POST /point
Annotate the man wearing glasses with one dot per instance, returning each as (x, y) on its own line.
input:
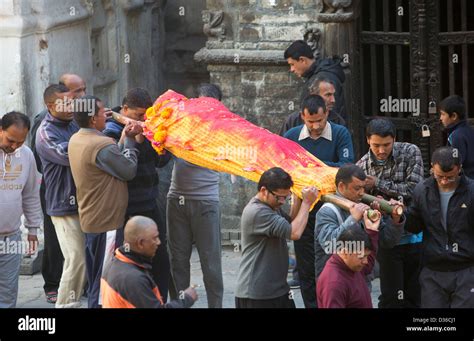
(261, 282)
(442, 209)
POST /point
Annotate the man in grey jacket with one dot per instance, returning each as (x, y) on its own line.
(19, 194)
(331, 220)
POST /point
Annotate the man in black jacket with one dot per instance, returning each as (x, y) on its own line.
(303, 64)
(441, 208)
(143, 189)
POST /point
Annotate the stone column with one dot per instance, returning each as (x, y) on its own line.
(337, 19)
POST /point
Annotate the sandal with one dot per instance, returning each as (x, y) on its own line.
(51, 297)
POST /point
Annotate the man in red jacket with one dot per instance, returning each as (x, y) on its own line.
(342, 284)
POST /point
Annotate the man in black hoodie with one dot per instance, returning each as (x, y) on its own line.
(303, 64)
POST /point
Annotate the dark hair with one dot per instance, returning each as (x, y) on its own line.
(346, 172)
(298, 49)
(313, 103)
(137, 98)
(354, 233)
(209, 90)
(15, 118)
(446, 157)
(81, 113)
(382, 127)
(454, 104)
(314, 87)
(51, 91)
(275, 178)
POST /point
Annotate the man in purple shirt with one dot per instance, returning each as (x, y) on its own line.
(342, 284)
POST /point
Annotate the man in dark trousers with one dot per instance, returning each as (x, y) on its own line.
(101, 168)
(332, 144)
(442, 209)
(143, 189)
(393, 170)
(261, 282)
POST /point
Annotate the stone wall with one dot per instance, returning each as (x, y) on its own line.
(112, 44)
(40, 40)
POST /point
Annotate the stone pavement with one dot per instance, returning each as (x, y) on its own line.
(31, 293)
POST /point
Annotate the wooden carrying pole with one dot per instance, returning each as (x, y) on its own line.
(346, 204)
(384, 205)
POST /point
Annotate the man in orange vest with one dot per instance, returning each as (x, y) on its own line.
(127, 282)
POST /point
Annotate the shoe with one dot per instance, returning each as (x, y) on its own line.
(294, 284)
(51, 297)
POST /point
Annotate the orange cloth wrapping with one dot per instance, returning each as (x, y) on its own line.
(204, 132)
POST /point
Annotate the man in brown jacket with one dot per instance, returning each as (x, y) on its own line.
(100, 169)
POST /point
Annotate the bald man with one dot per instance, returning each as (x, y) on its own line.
(75, 84)
(126, 280)
(52, 264)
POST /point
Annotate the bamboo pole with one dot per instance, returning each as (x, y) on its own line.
(346, 204)
(384, 205)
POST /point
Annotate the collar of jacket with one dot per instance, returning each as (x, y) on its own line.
(56, 121)
(341, 264)
(132, 257)
(310, 71)
(392, 157)
(452, 127)
(431, 184)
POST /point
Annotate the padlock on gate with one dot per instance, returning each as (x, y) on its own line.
(425, 130)
(432, 107)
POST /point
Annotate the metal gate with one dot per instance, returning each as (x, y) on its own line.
(411, 50)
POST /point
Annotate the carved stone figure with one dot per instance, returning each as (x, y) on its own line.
(312, 37)
(336, 11)
(337, 6)
(214, 24)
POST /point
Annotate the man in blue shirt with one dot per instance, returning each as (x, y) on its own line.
(332, 144)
